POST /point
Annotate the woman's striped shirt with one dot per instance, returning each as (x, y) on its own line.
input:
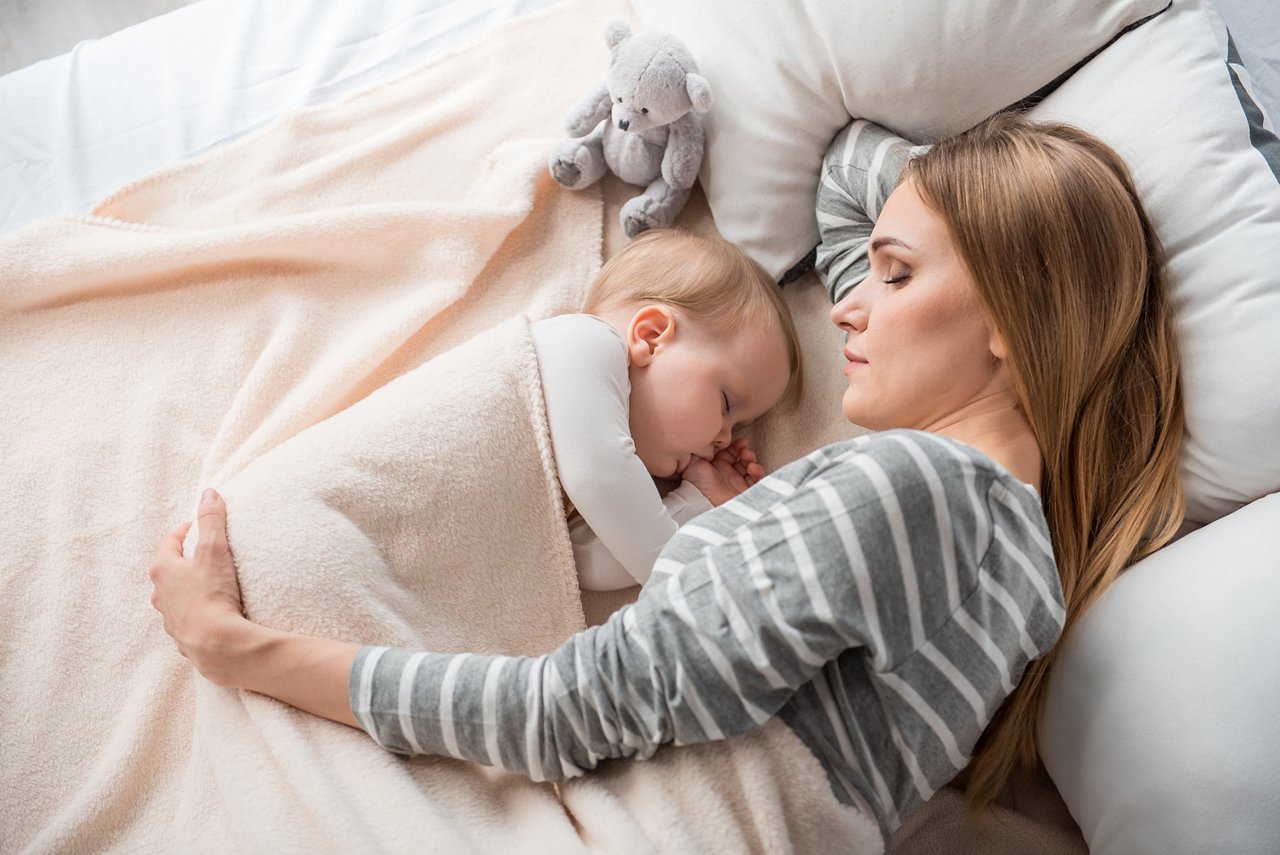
(881, 595)
(860, 170)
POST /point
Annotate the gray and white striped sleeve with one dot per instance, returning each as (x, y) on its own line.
(861, 168)
(746, 605)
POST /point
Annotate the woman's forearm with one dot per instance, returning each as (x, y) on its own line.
(304, 671)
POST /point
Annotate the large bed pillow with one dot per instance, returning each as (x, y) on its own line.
(786, 76)
(1173, 100)
(1161, 728)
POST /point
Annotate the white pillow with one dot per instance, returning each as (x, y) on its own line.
(787, 76)
(1164, 98)
(1161, 728)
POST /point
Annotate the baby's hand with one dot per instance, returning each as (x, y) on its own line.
(731, 471)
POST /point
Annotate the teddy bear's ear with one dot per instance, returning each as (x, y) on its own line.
(615, 33)
(699, 91)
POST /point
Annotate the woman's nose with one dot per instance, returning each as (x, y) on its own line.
(850, 314)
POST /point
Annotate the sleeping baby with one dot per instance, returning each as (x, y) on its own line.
(683, 339)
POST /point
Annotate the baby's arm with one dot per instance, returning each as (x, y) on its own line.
(598, 570)
(583, 364)
(706, 484)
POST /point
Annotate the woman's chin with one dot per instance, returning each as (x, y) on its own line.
(861, 416)
(854, 413)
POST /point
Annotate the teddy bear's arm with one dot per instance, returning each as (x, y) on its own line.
(589, 112)
(683, 157)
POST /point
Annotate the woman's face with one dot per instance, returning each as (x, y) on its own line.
(919, 350)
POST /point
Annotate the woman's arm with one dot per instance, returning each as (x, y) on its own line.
(741, 615)
(199, 599)
(849, 548)
(303, 671)
(860, 170)
(873, 544)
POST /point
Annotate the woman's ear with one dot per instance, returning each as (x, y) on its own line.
(997, 346)
(650, 328)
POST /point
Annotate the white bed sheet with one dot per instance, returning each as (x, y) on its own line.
(77, 127)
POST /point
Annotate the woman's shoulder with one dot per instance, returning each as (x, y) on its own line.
(919, 472)
(909, 454)
(937, 493)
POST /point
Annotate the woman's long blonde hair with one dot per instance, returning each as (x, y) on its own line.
(1047, 220)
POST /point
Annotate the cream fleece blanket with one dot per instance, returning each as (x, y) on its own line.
(327, 321)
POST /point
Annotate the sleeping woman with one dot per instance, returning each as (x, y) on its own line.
(894, 599)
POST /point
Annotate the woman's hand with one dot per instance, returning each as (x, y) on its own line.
(199, 595)
(731, 471)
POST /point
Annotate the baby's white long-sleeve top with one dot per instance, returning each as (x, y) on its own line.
(625, 522)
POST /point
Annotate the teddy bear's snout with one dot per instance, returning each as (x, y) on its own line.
(623, 124)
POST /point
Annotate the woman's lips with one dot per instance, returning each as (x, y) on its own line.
(853, 363)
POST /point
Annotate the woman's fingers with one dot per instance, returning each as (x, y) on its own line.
(168, 550)
(213, 524)
(198, 592)
(172, 543)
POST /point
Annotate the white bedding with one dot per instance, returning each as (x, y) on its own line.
(79, 126)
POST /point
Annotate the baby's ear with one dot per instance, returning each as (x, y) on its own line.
(650, 327)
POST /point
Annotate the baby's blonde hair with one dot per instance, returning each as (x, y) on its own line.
(708, 278)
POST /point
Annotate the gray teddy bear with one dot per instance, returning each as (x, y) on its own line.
(642, 123)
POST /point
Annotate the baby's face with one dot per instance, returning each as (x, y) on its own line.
(697, 386)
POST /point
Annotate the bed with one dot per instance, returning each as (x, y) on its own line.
(1144, 733)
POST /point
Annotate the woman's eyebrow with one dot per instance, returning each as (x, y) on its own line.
(888, 241)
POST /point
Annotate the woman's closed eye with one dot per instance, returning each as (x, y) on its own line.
(897, 276)
(724, 400)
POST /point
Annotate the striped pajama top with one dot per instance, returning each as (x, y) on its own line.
(862, 167)
(881, 595)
